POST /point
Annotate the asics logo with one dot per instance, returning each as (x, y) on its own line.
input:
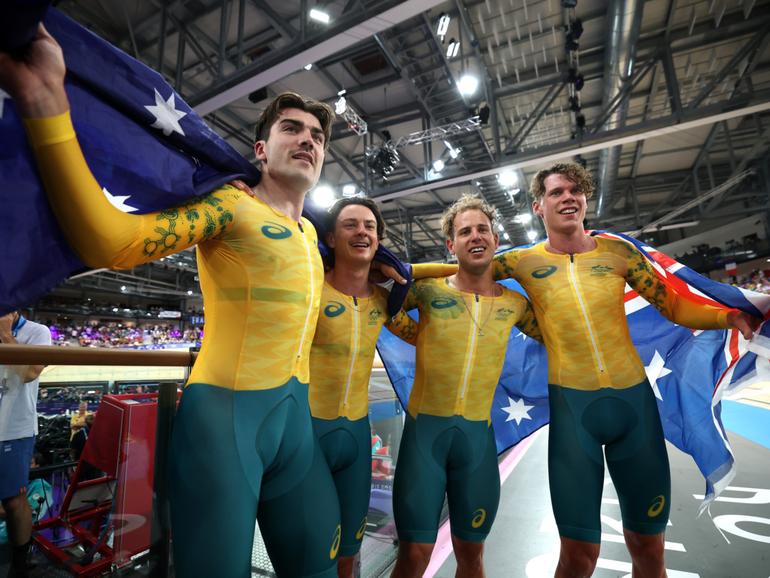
(543, 272)
(443, 303)
(656, 507)
(479, 517)
(335, 543)
(275, 231)
(361, 529)
(334, 308)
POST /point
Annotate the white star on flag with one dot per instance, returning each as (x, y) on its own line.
(517, 410)
(3, 96)
(166, 115)
(655, 371)
(119, 202)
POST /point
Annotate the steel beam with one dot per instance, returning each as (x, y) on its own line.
(345, 32)
(629, 134)
(748, 49)
(542, 106)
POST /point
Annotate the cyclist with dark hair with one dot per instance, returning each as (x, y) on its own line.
(243, 427)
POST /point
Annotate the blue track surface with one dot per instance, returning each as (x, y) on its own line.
(749, 421)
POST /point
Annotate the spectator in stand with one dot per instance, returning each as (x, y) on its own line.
(78, 444)
(78, 420)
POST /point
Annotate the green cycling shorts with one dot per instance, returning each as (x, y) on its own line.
(623, 426)
(446, 455)
(241, 456)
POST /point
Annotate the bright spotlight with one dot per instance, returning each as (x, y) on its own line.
(506, 236)
(123, 288)
(500, 227)
(349, 191)
(453, 48)
(189, 292)
(468, 84)
(341, 105)
(319, 15)
(531, 235)
(308, 66)
(508, 179)
(342, 92)
(524, 218)
(323, 196)
(443, 26)
(438, 166)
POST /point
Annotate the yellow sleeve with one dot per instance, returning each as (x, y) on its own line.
(101, 234)
(425, 270)
(504, 265)
(403, 326)
(527, 322)
(644, 281)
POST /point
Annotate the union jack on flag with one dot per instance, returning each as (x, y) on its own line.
(700, 368)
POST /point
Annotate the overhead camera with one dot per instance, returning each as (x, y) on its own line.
(382, 160)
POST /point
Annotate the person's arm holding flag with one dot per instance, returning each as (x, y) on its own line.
(101, 234)
(645, 282)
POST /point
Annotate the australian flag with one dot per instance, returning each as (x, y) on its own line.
(690, 371)
(146, 147)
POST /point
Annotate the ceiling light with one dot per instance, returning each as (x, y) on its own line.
(532, 235)
(524, 218)
(349, 191)
(508, 178)
(308, 66)
(341, 105)
(323, 196)
(123, 288)
(506, 236)
(342, 92)
(468, 84)
(189, 292)
(319, 15)
(453, 48)
(438, 166)
(443, 26)
(453, 152)
(500, 227)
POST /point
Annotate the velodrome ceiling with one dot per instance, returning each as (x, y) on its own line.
(667, 102)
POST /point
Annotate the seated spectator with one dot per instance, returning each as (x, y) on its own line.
(78, 444)
(78, 419)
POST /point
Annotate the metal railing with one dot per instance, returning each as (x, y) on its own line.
(54, 355)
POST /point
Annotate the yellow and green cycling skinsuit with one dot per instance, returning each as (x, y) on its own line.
(598, 391)
(340, 366)
(448, 445)
(243, 445)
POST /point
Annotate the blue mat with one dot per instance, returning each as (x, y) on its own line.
(749, 421)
